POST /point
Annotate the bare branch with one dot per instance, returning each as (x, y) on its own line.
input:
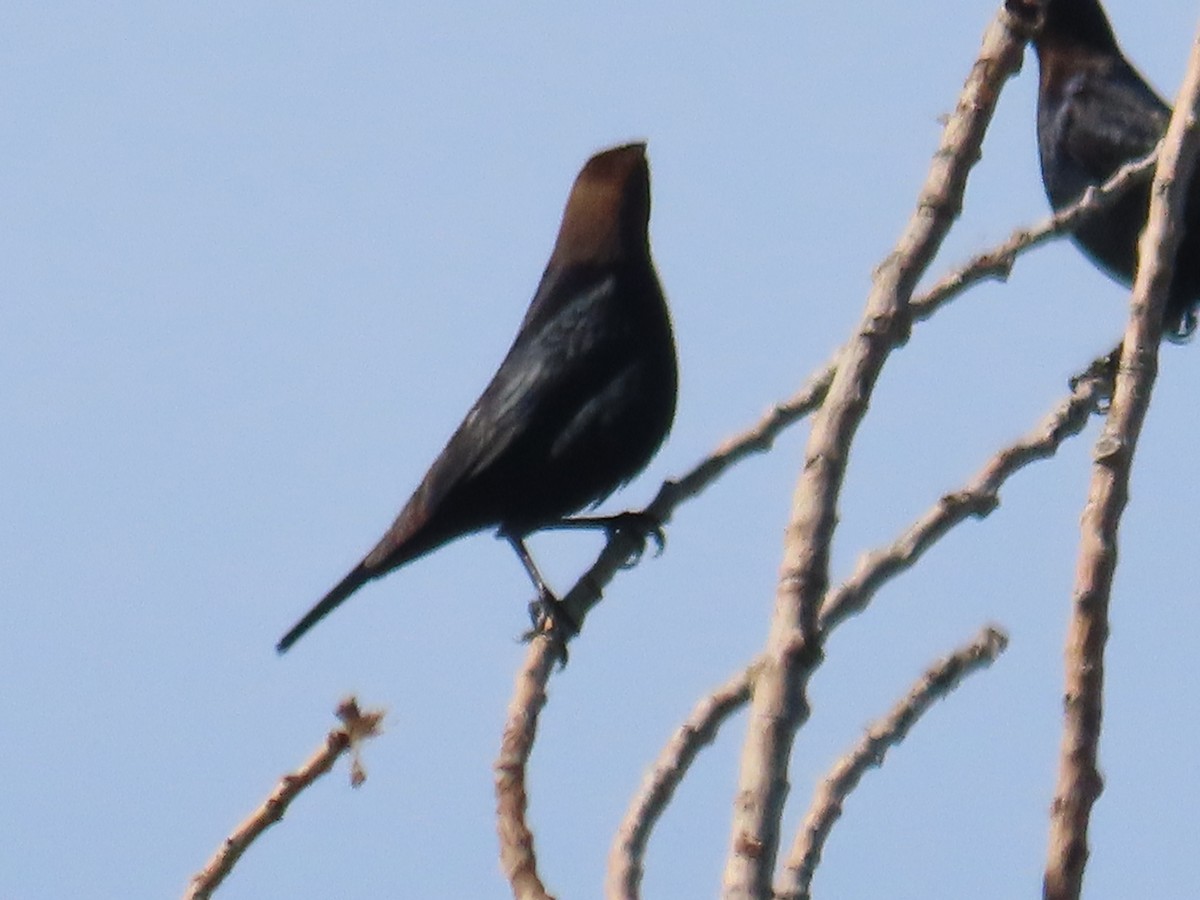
(937, 682)
(977, 499)
(780, 705)
(517, 856)
(357, 726)
(629, 846)
(1079, 780)
(997, 262)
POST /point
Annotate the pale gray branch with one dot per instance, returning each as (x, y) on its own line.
(939, 680)
(978, 498)
(1079, 780)
(517, 856)
(794, 647)
(625, 859)
(357, 726)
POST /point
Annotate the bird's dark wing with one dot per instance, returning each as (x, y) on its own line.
(570, 338)
(551, 372)
(597, 413)
(1109, 118)
(559, 362)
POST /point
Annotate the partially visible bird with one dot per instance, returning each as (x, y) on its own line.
(1096, 113)
(581, 403)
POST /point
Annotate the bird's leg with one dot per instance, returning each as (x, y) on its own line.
(639, 524)
(547, 612)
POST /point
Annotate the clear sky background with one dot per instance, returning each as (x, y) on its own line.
(257, 259)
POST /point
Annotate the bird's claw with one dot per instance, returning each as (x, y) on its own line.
(549, 617)
(1104, 371)
(642, 526)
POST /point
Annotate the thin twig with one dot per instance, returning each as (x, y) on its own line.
(517, 856)
(977, 499)
(357, 726)
(794, 647)
(1079, 780)
(939, 680)
(625, 859)
(997, 262)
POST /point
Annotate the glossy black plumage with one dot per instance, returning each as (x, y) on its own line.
(1096, 113)
(581, 402)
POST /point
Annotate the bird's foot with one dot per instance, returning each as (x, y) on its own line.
(1104, 371)
(641, 526)
(1180, 328)
(549, 617)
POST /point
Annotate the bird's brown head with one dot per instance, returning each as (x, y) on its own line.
(609, 209)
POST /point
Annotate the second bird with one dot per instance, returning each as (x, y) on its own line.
(580, 404)
(1096, 113)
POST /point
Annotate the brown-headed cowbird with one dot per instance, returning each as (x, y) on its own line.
(579, 405)
(1096, 113)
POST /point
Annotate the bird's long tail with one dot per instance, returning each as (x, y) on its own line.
(358, 576)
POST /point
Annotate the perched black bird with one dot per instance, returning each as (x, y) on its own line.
(1096, 113)
(579, 405)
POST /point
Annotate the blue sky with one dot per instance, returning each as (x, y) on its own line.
(259, 259)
